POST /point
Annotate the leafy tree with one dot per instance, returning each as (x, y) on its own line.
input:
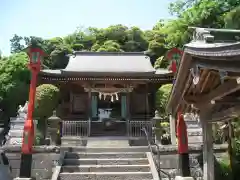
(232, 19)
(161, 62)
(14, 77)
(110, 46)
(16, 44)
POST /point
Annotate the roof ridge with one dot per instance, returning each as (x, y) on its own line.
(108, 53)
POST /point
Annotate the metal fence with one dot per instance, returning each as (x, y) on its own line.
(82, 128)
(135, 128)
(76, 128)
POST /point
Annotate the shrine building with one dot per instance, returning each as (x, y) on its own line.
(106, 93)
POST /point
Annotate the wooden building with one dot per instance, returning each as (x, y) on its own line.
(208, 83)
(107, 94)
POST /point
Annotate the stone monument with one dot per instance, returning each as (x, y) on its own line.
(16, 126)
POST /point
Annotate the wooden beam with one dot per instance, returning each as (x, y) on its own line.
(226, 114)
(217, 58)
(180, 83)
(221, 91)
(205, 82)
(228, 100)
(230, 66)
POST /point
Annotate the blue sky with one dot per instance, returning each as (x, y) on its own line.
(51, 18)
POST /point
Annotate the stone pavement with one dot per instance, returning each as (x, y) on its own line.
(107, 142)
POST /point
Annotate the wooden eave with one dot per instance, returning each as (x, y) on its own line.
(211, 86)
(154, 78)
(186, 96)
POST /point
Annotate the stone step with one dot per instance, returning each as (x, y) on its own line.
(108, 155)
(106, 176)
(106, 168)
(109, 142)
(195, 139)
(15, 133)
(106, 149)
(193, 126)
(106, 161)
(16, 126)
(195, 133)
(73, 142)
(195, 129)
(14, 141)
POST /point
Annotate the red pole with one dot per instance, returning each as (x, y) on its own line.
(28, 135)
(183, 146)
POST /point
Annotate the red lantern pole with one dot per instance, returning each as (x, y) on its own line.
(35, 55)
(183, 146)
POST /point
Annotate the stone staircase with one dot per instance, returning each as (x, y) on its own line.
(194, 130)
(128, 163)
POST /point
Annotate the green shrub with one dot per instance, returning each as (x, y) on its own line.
(47, 97)
(162, 98)
(165, 124)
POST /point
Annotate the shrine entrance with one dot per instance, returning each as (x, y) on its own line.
(109, 112)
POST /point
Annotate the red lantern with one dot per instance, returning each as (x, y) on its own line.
(174, 56)
(35, 55)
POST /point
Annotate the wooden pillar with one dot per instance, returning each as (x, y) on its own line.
(172, 129)
(128, 94)
(208, 153)
(89, 111)
(128, 106)
(147, 103)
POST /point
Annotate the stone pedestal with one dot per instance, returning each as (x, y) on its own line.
(52, 135)
(15, 133)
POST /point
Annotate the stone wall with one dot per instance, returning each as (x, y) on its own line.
(44, 160)
(169, 159)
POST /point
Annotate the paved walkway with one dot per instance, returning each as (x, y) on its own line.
(107, 142)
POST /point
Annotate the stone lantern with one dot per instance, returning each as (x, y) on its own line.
(53, 128)
(157, 129)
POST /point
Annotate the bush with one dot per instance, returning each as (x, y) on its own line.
(162, 98)
(47, 97)
(222, 170)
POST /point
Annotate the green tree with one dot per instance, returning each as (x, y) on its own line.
(14, 78)
(232, 19)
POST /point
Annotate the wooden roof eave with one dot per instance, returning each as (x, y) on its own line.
(175, 97)
(221, 91)
(216, 50)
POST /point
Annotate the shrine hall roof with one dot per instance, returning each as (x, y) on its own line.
(112, 63)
